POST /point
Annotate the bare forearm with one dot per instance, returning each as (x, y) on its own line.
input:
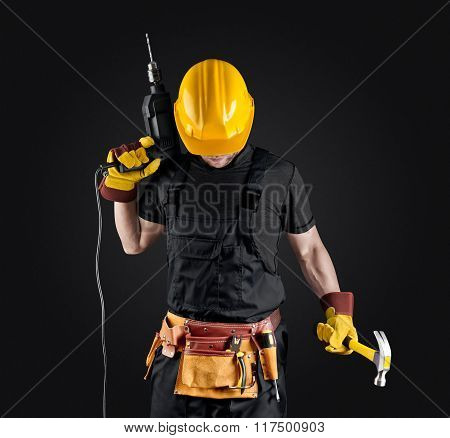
(136, 234)
(319, 271)
(127, 225)
(314, 261)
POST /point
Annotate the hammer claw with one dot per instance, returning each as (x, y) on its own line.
(382, 358)
(387, 347)
(383, 347)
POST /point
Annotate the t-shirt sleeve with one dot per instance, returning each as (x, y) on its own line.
(150, 206)
(297, 215)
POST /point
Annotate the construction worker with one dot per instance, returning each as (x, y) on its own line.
(224, 206)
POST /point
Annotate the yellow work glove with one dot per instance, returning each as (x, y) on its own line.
(121, 187)
(339, 324)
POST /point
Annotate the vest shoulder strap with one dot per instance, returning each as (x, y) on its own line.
(181, 170)
(261, 160)
(179, 176)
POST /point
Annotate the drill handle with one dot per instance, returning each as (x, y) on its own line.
(123, 169)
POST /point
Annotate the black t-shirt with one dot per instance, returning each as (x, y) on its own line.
(215, 193)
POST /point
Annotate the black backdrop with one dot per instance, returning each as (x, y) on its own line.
(377, 166)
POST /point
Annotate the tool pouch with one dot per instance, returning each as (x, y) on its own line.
(207, 370)
(211, 364)
(268, 359)
(151, 354)
(267, 349)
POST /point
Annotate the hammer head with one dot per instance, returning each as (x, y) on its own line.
(382, 358)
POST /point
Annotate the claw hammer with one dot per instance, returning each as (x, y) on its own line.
(381, 358)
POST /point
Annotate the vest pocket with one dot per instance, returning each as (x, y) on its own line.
(193, 266)
(204, 274)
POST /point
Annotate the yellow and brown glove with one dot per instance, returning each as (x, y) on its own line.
(121, 187)
(338, 307)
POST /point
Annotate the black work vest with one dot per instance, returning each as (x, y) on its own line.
(218, 270)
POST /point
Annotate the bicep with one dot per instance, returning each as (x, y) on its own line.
(304, 243)
(150, 232)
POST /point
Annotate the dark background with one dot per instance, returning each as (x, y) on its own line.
(377, 165)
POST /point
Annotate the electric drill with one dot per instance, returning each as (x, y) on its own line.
(159, 121)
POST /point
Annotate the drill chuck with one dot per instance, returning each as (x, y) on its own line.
(154, 73)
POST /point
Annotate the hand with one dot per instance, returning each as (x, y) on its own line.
(121, 187)
(130, 155)
(335, 330)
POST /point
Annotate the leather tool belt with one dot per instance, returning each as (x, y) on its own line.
(218, 360)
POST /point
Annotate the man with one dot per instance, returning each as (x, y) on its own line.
(224, 207)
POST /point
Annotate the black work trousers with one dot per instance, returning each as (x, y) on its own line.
(164, 403)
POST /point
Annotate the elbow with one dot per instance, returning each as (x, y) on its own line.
(132, 250)
(304, 256)
(309, 253)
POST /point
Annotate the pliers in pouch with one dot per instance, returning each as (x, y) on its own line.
(235, 346)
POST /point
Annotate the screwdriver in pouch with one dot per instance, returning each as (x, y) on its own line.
(267, 341)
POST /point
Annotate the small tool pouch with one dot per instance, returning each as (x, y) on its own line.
(268, 358)
(267, 348)
(151, 354)
(209, 369)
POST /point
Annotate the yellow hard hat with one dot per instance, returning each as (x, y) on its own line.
(214, 110)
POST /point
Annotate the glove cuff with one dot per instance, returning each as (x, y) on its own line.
(342, 302)
(115, 195)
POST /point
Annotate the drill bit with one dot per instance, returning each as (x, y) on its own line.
(149, 48)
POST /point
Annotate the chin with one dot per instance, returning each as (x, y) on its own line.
(219, 161)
